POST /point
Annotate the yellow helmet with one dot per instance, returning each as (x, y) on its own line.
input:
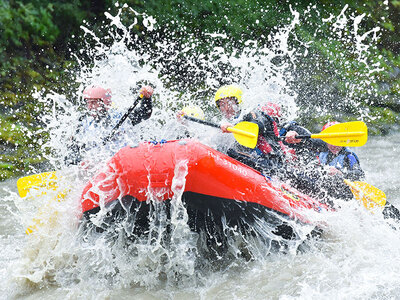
(193, 111)
(228, 91)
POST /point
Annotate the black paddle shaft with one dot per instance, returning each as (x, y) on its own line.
(298, 137)
(122, 120)
(201, 121)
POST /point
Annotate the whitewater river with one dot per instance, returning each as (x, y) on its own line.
(357, 258)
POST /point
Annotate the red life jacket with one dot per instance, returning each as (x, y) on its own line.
(266, 148)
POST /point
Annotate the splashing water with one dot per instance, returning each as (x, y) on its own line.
(60, 259)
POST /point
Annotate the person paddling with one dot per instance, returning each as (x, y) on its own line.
(341, 160)
(302, 150)
(268, 155)
(98, 103)
(342, 163)
(338, 163)
(95, 125)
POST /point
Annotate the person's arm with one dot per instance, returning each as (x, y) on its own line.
(145, 108)
(315, 145)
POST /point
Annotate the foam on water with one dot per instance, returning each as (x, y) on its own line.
(358, 256)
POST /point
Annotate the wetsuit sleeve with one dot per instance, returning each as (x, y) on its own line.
(299, 129)
(142, 112)
(315, 145)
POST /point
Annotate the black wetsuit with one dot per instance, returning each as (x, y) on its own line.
(142, 112)
(275, 162)
(308, 149)
(265, 162)
(306, 173)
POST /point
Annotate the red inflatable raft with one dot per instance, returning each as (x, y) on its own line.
(212, 186)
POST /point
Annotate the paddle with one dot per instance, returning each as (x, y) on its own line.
(47, 179)
(353, 134)
(370, 196)
(245, 133)
(45, 182)
(122, 120)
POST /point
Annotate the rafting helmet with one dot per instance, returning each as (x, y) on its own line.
(272, 109)
(193, 111)
(229, 91)
(329, 124)
(96, 92)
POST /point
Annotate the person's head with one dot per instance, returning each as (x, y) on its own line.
(193, 111)
(273, 110)
(228, 99)
(334, 149)
(98, 100)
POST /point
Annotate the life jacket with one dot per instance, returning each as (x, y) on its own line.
(262, 142)
(269, 143)
(345, 159)
(92, 133)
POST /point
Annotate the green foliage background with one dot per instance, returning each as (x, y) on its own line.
(38, 37)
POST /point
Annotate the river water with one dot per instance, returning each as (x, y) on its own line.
(358, 256)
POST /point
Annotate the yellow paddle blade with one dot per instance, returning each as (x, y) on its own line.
(245, 133)
(47, 214)
(370, 196)
(47, 180)
(352, 134)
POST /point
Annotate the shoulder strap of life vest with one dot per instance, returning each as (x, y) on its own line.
(352, 158)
